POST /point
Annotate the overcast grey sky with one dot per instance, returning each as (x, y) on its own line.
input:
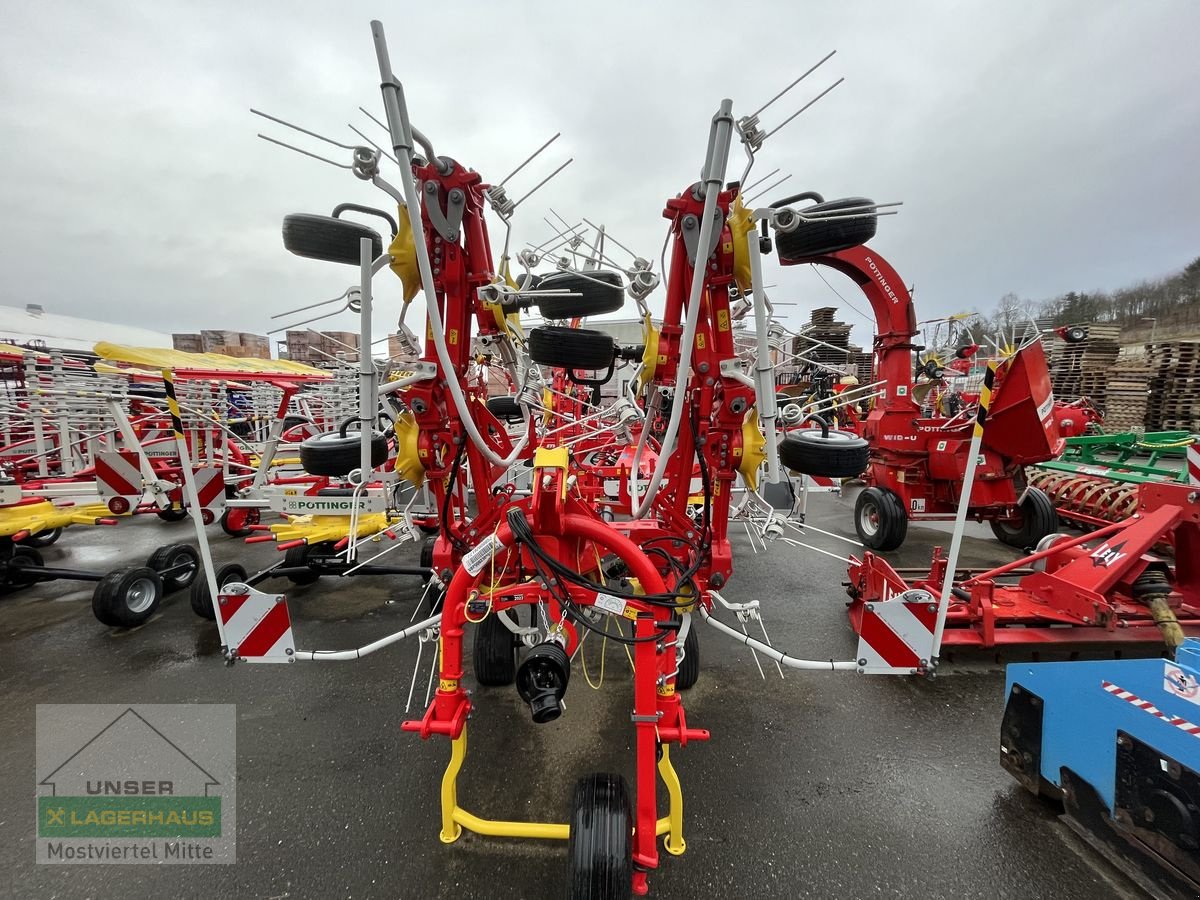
(1038, 147)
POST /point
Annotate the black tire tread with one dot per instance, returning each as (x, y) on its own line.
(600, 846)
(571, 348)
(807, 452)
(595, 299)
(328, 239)
(494, 654)
(822, 238)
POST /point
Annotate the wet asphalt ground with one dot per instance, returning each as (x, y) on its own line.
(818, 785)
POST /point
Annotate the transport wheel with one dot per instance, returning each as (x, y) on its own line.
(880, 519)
(600, 847)
(43, 538)
(202, 600)
(336, 454)
(838, 454)
(297, 558)
(328, 239)
(1075, 335)
(600, 292)
(506, 409)
(821, 238)
(495, 654)
(172, 514)
(236, 520)
(23, 557)
(1038, 519)
(571, 348)
(689, 668)
(182, 559)
(127, 597)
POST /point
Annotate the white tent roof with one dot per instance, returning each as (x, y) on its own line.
(20, 326)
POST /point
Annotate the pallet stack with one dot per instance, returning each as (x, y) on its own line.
(827, 342)
(1174, 399)
(1127, 393)
(321, 348)
(1082, 369)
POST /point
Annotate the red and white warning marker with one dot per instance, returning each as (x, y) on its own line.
(1193, 465)
(119, 480)
(256, 627)
(896, 636)
(1146, 706)
(210, 487)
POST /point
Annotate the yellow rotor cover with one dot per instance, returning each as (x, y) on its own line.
(754, 450)
(649, 354)
(408, 463)
(740, 225)
(403, 251)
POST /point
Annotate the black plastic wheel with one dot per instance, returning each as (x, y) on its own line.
(880, 519)
(689, 668)
(43, 538)
(23, 557)
(1038, 518)
(127, 597)
(174, 514)
(506, 409)
(838, 455)
(177, 565)
(823, 237)
(599, 292)
(495, 653)
(202, 600)
(336, 454)
(571, 348)
(236, 520)
(600, 847)
(328, 239)
(297, 558)
(1076, 334)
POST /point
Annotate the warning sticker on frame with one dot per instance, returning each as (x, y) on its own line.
(1180, 683)
(610, 604)
(477, 558)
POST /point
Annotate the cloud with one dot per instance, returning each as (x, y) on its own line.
(1037, 148)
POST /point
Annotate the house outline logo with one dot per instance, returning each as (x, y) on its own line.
(206, 785)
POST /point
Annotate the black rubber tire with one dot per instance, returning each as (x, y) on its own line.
(600, 846)
(571, 348)
(426, 559)
(594, 299)
(202, 600)
(1038, 519)
(42, 538)
(1076, 334)
(172, 514)
(252, 517)
(328, 239)
(335, 454)
(821, 238)
(168, 557)
(495, 653)
(506, 409)
(840, 455)
(23, 557)
(296, 557)
(891, 520)
(689, 669)
(127, 597)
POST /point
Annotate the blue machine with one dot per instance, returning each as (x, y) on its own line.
(1118, 742)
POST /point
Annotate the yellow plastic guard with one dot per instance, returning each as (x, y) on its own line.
(408, 461)
(753, 450)
(740, 225)
(403, 251)
(650, 353)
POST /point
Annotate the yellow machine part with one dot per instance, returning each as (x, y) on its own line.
(740, 225)
(403, 251)
(753, 449)
(649, 354)
(408, 461)
(316, 529)
(157, 358)
(45, 516)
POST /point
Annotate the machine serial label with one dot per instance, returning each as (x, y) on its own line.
(477, 558)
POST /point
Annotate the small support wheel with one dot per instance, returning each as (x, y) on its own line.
(127, 597)
(43, 538)
(825, 453)
(173, 514)
(495, 653)
(297, 558)
(202, 600)
(600, 847)
(1037, 519)
(236, 521)
(880, 519)
(176, 564)
(22, 558)
(689, 666)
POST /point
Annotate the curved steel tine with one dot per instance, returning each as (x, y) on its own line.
(305, 152)
(287, 124)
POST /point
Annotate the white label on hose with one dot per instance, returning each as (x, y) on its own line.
(610, 604)
(477, 558)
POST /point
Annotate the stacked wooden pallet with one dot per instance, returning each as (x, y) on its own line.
(1127, 395)
(1080, 369)
(826, 341)
(1174, 385)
